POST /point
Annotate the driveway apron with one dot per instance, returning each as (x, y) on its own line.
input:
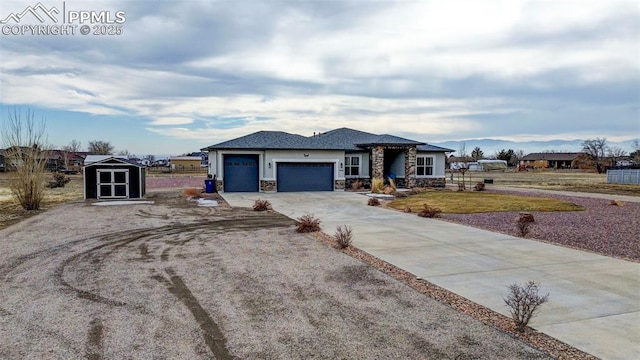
(594, 300)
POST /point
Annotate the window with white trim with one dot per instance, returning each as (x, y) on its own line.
(424, 165)
(352, 165)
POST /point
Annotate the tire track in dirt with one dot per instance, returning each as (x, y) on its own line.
(95, 340)
(211, 332)
(111, 243)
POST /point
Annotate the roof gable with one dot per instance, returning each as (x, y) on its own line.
(114, 160)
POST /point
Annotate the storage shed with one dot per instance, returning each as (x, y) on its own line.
(114, 178)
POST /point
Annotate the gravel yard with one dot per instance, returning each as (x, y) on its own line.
(172, 280)
(602, 228)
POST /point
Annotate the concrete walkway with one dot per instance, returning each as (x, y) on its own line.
(594, 300)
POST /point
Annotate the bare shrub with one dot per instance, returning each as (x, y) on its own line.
(261, 205)
(617, 203)
(523, 301)
(373, 201)
(407, 209)
(58, 180)
(307, 223)
(376, 185)
(428, 211)
(523, 224)
(344, 236)
(388, 190)
(26, 154)
(392, 184)
(191, 192)
(479, 187)
(356, 185)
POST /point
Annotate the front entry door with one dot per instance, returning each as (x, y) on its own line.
(113, 184)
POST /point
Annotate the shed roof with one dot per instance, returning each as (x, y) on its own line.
(114, 160)
(90, 159)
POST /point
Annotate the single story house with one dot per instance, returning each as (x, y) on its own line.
(551, 160)
(279, 161)
(182, 163)
(2, 162)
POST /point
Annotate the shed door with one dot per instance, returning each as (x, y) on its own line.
(241, 173)
(113, 184)
(305, 176)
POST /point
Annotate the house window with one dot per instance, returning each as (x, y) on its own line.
(424, 165)
(352, 165)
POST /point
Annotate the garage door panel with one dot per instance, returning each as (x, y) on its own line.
(241, 173)
(305, 177)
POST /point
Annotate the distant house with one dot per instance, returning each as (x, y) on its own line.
(330, 161)
(2, 162)
(554, 161)
(57, 159)
(204, 156)
(182, 163)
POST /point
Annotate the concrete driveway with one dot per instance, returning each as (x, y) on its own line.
(594, 300)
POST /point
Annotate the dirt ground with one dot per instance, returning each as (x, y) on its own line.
(172, 280)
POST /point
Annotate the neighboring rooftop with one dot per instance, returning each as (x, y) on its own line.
(552, 156)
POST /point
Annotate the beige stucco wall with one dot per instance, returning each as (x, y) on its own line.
(268, 160)
(273, 157)
(334, 156)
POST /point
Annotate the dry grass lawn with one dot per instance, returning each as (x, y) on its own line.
(565, 180)
(470, 202)
(11, 212)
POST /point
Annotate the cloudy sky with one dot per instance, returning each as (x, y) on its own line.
(187, 74)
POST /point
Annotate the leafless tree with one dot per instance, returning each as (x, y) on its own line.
(150, 159)
(614, 154)
(125, 153)
(99, 147)
(596, 150)
(71, 149)
(636, 151)
(26, 154)
(462, 169)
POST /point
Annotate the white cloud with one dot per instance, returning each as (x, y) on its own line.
(427, 68)
(164, 121)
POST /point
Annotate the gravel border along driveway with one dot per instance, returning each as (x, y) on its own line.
(602, 228)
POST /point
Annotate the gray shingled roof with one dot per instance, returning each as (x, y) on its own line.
(262, 140)
(433, 148)
(338, 139)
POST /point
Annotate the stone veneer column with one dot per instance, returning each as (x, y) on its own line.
(377, 159)
(410, 166)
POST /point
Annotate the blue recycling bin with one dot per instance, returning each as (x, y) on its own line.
(208, 186)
